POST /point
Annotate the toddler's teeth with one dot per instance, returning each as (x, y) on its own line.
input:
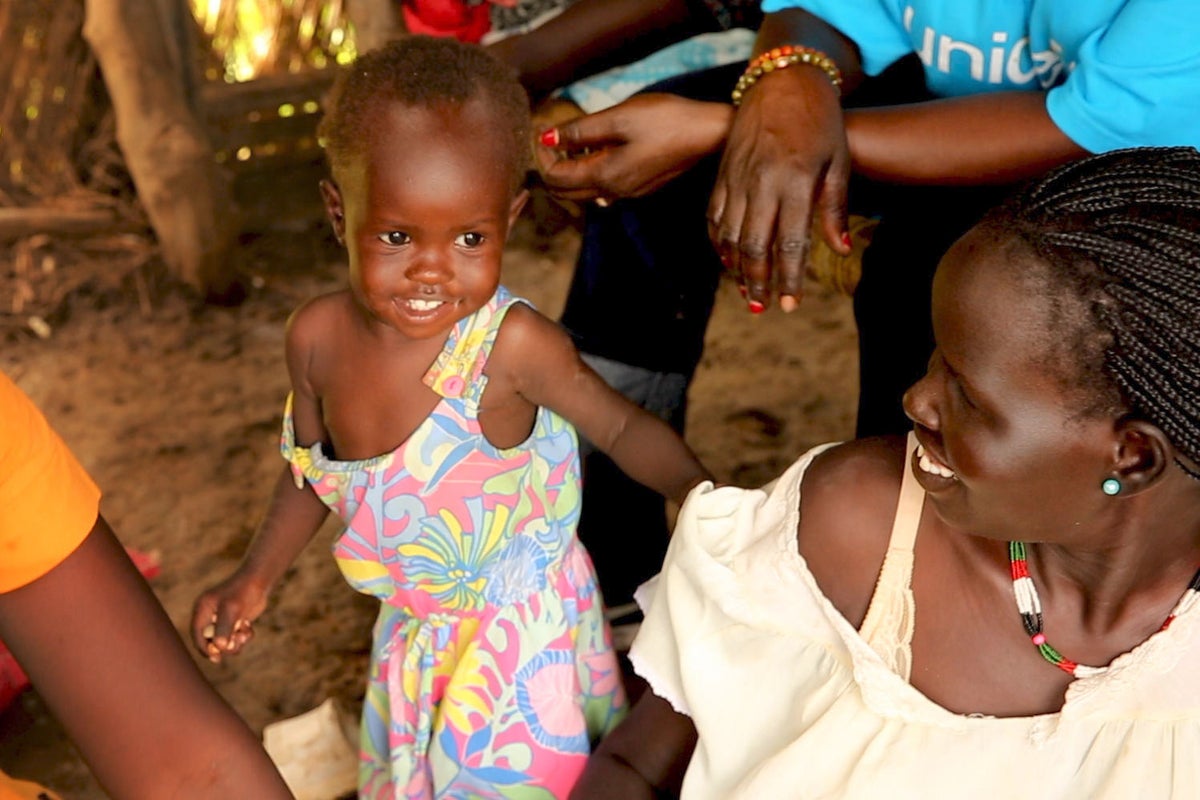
(424, 305)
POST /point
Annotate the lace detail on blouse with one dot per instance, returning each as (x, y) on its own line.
(891, 617)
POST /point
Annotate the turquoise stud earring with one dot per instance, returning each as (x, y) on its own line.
(1111, 486)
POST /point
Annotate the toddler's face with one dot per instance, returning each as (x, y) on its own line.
(424, 213)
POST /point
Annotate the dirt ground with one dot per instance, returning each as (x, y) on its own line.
(175, 410)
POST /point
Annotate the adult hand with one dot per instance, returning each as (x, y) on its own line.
(222, 616)
(631, 149)
(786, 163)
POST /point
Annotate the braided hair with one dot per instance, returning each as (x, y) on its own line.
(1119, 237)
(424, 72)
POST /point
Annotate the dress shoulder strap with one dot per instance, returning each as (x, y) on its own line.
(891, 617)
(457, 372)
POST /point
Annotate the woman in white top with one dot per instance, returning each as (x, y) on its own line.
(1002, 606)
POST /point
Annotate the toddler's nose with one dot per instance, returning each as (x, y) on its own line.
(430, 270)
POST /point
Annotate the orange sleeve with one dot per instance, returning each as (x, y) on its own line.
(48, 503)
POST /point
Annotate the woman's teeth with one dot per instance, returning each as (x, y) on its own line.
(927, 464)
(424, 305)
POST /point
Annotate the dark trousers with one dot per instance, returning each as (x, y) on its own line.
(644, 287)
(640, 299)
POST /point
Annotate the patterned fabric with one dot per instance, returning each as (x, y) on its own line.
(492, 669)
(606, 89)
(512, 17)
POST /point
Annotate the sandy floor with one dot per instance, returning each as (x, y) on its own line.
(176, 411)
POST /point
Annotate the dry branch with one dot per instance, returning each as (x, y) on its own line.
(17, 223)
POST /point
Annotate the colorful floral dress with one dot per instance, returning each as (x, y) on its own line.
(492, 670)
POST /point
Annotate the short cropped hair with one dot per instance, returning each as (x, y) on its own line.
(425, 71)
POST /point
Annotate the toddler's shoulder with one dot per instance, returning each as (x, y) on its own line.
(315, 333)
(323, 307)
(521, 315)
(526, 333)
(318, 317)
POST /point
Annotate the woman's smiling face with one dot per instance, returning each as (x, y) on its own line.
(1006, 452)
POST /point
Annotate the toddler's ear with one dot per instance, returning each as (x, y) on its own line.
(332, 196)
(518, 203)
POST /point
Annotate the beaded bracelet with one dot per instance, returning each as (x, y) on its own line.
(781, 58)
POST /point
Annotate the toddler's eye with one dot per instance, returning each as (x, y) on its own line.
(394, 238)
(470, 239)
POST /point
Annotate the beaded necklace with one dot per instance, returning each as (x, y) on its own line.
(1030, 606)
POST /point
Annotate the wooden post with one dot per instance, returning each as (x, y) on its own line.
(186, 195)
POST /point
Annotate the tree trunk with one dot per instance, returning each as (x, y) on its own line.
(186, 195)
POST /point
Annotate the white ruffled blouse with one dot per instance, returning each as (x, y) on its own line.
(790, 701)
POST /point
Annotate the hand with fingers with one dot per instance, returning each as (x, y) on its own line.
(631, 149)
(786, 165)
(223, 616)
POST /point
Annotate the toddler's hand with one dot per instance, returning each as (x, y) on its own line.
(214, 647)
(222, 617)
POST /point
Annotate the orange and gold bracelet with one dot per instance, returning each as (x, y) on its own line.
(782, 58)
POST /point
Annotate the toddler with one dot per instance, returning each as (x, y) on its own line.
(434, 413)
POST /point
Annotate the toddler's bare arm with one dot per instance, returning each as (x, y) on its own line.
(548, 371)
(222, 616)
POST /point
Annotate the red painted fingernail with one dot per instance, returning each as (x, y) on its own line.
(757, 307)
(549, 137)
(845, 238)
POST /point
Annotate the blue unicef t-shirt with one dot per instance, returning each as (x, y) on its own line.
(1118, 73)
